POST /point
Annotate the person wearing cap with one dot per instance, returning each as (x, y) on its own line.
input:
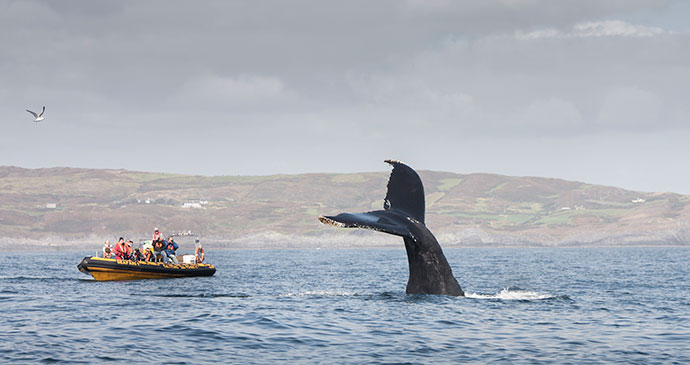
(158, 243)
(199, 252)
(157, 235)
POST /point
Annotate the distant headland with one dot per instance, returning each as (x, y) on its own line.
(70, 208)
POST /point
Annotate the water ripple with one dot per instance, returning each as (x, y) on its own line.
(350, 306)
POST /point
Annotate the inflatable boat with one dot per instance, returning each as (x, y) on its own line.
(112, 269)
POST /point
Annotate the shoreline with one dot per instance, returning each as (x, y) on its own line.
(66, 249)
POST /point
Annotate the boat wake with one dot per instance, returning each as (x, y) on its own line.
(320, 294)
(510, 294)
(37, 278)
(201, 295)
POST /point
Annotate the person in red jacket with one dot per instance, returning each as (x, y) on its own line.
(121, 250)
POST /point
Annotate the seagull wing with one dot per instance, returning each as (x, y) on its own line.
(42, 111)
(32, 113)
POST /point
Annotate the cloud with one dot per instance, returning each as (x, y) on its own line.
(607, 28)
(228, 93)
(613, 28)
(630, 107)
(294, 84)
(547, 115)
(598, 76)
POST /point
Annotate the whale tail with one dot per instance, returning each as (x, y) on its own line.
(405, 191)
(404, 200)
(403, 215)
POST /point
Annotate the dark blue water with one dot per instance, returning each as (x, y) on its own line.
(585, 305)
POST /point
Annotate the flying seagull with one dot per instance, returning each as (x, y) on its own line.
(39, 117)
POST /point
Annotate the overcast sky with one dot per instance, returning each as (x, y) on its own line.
(593, 91)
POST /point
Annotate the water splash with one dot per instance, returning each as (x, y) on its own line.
(508, 294)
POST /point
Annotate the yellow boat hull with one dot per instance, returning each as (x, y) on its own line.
(112, 269)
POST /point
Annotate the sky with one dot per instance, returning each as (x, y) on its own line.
(591, 91)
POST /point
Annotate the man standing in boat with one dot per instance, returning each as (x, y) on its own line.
(158, 244)
(157, 235)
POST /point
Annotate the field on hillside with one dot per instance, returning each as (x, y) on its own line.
(84, 204)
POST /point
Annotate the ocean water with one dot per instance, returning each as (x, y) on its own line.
(524, 305)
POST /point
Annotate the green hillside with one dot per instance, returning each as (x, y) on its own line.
(86, 205)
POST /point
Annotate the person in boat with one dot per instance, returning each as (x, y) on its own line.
(148, 255)
(130, 252)
(199, 252)
(158, 243)
(169, 251)
(121, 250)
(158, 247)
(157, 235)
(137, 255)
(107, 250)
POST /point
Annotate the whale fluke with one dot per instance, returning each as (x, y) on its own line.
(403, 215)
(378, 220)
(405, 191)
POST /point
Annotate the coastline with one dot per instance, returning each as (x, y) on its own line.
(347, 242)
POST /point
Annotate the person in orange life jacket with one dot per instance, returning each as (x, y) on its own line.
(157, 236)
(169, 251)
(121, 250)
(128, 245)
(148, 255)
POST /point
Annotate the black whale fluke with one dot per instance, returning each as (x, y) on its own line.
(403, 216)
(405, 191)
